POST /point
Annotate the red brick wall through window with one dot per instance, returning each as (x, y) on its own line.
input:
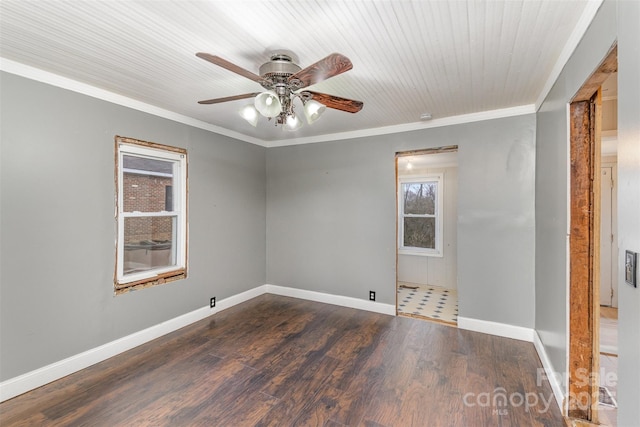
(146, 193)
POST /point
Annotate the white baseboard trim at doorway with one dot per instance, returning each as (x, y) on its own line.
(495, 328)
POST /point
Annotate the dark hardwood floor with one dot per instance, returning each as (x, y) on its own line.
(278, 361)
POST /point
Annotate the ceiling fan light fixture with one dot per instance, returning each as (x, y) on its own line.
(268, 104)
(281, 79)
(250, 114)
(313, 110)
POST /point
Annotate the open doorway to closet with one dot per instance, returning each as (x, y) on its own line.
(427, 194)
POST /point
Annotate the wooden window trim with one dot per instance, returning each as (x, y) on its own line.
(161, 277)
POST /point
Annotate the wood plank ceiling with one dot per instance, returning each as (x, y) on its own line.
(448, 58)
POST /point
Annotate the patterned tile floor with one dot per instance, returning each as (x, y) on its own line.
(428, 301)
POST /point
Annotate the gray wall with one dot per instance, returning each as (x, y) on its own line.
(57, 226)
(331, 216)
(628, 207)
(613, 20)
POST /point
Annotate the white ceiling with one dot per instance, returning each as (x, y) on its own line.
(448, 58)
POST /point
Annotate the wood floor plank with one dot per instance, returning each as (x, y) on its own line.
(321, 409)
(279, 361)
(302, 394)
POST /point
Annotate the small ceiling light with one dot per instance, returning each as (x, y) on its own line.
(293, 123)
(268, 104)
(250, 114)
(425, 116)
(313, 110)
(409, 165)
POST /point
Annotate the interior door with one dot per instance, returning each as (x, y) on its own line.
(606, 237)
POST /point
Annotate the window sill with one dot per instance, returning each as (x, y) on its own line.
(424, 253)
(170, 276)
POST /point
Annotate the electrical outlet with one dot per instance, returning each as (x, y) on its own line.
(372, 296)
(212, 302)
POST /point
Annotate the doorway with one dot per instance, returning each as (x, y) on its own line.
(426, 250)
(608, 339)
(584, 244)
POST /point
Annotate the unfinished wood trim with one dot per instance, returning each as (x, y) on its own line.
(596, 165)
(437, 150)
(584, 242)
(608, 66)
(580, 313)
(155, 145)
(171, 276)
(584, 262)
(396, 160)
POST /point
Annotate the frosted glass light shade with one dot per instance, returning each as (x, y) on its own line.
(293, 123)
(250, 114)
(313, 110)
(268, 104)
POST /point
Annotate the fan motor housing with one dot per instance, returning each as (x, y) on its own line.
(280, 65)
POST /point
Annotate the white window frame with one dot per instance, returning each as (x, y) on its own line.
(438, 214)
(178, 157)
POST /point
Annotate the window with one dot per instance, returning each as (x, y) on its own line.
(420, 213)
(151, 188)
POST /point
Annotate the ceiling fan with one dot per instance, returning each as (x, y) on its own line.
(284, 81)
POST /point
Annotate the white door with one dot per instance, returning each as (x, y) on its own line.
(606, 238)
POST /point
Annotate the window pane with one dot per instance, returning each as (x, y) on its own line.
(148, 243)
(420, 233)
(420, 198)
(147, 184)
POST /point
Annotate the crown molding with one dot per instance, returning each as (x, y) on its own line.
(47, 77)
(408, 127)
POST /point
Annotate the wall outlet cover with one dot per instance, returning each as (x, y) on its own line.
(631, 268)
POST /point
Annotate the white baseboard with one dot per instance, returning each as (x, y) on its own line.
(41, 376)
(550, 373)
(494, 328)
(343, 301)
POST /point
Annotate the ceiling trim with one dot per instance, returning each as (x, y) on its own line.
(36, 74)
(445, 121)
(572, 43)
(42, 76)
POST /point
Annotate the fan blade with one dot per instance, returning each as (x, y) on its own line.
(229, 98)
(342, 104)
(330, 66)
(229, 66)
